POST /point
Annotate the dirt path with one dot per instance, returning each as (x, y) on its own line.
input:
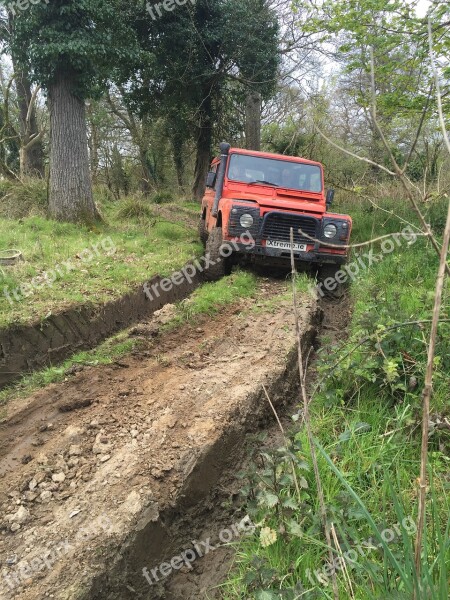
(101, 475)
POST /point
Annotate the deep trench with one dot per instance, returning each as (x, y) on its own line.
(208, 503)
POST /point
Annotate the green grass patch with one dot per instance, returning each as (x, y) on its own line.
(211, 297)
(65, 265)
(132, 208)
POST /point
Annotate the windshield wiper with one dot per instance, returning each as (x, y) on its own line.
(264, 182)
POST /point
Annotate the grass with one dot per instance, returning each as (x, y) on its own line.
(71, 265)
(211, 297)
(366, 418)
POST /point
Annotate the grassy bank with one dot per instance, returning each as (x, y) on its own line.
(64, 265)
(366, 417)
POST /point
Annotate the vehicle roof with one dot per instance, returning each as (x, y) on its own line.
(274, 156)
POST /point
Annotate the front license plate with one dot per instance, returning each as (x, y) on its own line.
(285, 246)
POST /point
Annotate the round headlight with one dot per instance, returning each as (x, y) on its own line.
(330, 231)
(246, 221)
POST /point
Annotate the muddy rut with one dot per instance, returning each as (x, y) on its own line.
(117, 468)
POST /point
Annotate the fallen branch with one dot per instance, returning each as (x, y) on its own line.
(361, 245)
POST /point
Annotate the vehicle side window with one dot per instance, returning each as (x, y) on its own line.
(213, 169)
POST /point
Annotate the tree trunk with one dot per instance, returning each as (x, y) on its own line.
(178, 157)
(202, 164)
(203, 155)
(142, 137)
(253, 121)
(93, 142)
(147, 174)
(31, 153)
(70, 182)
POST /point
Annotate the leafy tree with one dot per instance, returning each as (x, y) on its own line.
(192, 55)
(25, 134)
(392, 36)
(70, 47)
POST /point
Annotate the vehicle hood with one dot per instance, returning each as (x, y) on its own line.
(282, 199)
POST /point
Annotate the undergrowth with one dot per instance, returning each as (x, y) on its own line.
(366, 416)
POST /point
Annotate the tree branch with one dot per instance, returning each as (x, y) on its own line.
(438, 88)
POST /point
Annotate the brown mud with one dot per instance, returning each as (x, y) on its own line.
(26, 348)
(121, 467)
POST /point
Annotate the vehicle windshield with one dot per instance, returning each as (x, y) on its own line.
(277, 173)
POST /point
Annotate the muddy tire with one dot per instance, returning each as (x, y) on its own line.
(203, 232)
(219, 265)
(329, 271)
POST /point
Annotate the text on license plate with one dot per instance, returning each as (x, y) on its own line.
(285, 246)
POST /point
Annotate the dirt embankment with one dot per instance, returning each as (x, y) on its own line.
(25, 348)
(91, 497)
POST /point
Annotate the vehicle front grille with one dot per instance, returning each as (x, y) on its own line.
(277, 226)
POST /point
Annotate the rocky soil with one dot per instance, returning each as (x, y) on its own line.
(98, 473)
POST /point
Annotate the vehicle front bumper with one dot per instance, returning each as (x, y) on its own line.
(313, 255)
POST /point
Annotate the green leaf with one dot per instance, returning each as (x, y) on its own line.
(294, 528)
(268, 499)
(290, 503)
(266, 595)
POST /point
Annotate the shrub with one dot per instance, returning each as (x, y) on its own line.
(163, 197)
(131, 208)
(23, 199)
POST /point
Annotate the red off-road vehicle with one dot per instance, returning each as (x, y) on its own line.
(252, 201)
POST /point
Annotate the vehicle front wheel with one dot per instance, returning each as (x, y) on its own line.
(219, 258)
(332, 290)
(203, 232)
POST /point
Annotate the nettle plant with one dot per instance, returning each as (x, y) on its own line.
(273, 476)
(388, 358)
(278, 500)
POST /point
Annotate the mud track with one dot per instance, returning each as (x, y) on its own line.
(25, 348)
(125, 476)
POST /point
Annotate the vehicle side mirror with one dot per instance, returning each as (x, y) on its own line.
(211, 179)
(330, 197)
